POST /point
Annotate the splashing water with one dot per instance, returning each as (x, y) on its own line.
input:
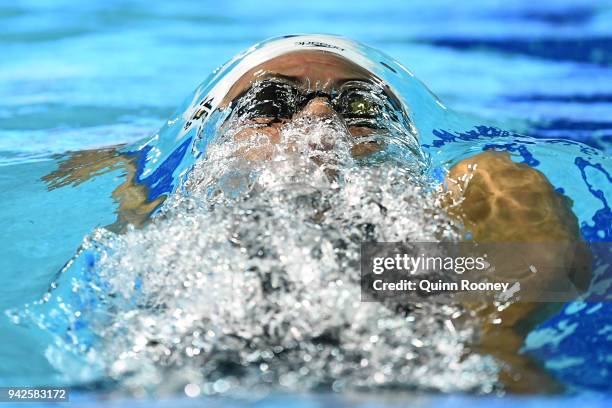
(247, 277)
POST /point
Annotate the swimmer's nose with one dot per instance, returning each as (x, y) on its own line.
(318, 107)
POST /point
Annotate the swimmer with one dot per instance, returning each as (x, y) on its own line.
(503, 202)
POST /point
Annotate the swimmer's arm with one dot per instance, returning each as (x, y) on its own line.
(500, 201)
(132, 198)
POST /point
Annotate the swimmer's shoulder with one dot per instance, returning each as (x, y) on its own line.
(134, 204)
(500, 201)
(76, 167)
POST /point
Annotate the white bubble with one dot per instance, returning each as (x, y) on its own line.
(192, 390)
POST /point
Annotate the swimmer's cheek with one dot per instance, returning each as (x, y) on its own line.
(365, 149)
(257, 143)
(260, 153)
(269, 134)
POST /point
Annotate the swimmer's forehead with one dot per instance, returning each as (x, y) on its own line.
(320, 70)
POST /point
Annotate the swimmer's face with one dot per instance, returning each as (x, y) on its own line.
(303, 84)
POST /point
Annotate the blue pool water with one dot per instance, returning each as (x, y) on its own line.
(81, 75)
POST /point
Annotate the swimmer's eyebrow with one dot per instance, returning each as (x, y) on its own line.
(299, 81)
(296, 81)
